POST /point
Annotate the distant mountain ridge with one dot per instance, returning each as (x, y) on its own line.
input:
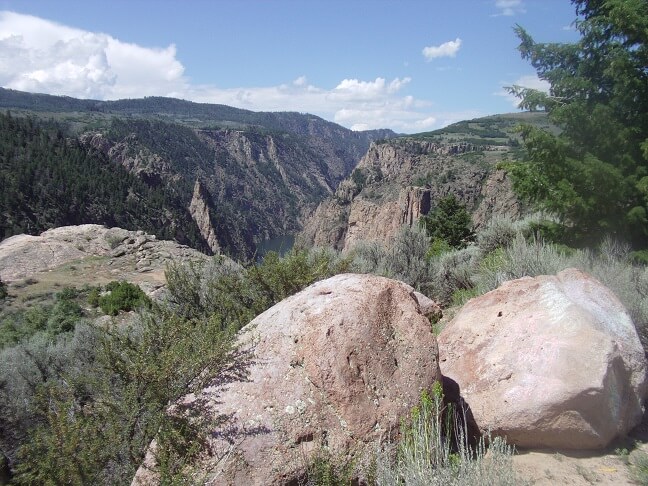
(262, 172)
(181, 110)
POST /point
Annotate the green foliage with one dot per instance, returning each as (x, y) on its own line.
(122, 296)
(60, 444)
(425, 453)
(3, 290)
(461, 296)
(359, 177)
(449, 221)
(438, 247)
(52, 318)
(94, 295)
(593, 174)
(497, 234)
(94, 412)
(323, 469)
(63, 316)
(277, 278)
(639, 469)
(239, 294)
(405, 258)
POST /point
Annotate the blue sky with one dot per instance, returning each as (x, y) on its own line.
(408, 65)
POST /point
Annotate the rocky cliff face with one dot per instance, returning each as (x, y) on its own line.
(199, 210)
(400, 180)
(262, 183)
(149, 166)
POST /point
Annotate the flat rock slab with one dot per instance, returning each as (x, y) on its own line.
(23, 256)
(551, 361)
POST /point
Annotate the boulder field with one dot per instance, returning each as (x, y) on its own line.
(551, 361)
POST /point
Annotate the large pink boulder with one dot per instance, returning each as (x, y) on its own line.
(551, 361)
(333, 367)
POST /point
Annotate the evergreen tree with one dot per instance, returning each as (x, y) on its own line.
(594, 174)
(449, 222)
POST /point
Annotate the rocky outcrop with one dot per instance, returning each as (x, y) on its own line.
(199, 210)
(551, 361)
(23, 256)
(497, 199)
(327, 226)
(335, 366)
(134, 157)
(414, 203)
(400, 180)
(380, 220)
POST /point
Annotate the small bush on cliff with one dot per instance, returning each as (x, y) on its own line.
(123, 296)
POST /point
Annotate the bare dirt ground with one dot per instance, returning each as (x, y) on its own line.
(612, 466)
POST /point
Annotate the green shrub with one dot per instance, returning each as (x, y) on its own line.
(94, 295)
(405, 258)
(324, 469)
(639, 467)
(63, 316)
(434, 450)
(123, 296)
(239, 294)
(97, 399)
(453, 271)
(461, 296)
(498, 233)
(3, 290)
(437, 248)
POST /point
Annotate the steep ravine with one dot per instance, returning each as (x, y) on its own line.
(253, 185)
(260, 173)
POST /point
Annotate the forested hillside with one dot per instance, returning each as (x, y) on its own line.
(50, 180)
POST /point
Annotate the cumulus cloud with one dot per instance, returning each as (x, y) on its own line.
(447, 49)
(43, 56)
(527, 81)
(510, 7)
(38, 55)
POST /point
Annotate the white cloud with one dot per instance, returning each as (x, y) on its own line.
(447, 49)
(527, 81)
(510, 7)
(300, 81)
(41, 56)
